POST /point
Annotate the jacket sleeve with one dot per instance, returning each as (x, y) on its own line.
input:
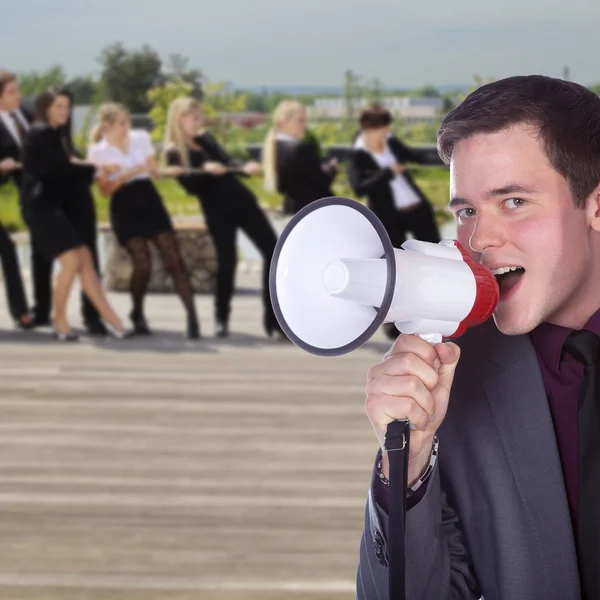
(437, 562)
(310, 167)
(404, 152)
(186, 181)
(364, 181)
(222, 155)
(44, 156)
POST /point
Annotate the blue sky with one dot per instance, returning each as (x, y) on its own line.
(401, 42)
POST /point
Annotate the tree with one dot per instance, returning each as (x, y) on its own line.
(374, 91)
(353, 93)
(36, 82)
(161, 97)
(595, 88)
(84, 89)
(427, 91)
(218, 102)
(178, 70)
(128, 75)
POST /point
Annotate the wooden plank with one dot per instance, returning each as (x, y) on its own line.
(161, 468)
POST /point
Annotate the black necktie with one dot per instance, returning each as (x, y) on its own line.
(20, 128)
(585, 347)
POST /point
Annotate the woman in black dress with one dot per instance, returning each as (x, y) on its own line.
(137, 212)
(290, 164)
(48, 167)
(227, 204)
(376, 169)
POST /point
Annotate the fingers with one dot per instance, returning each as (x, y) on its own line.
(449, 354)
(407, 387)
(382, 410)
(406, 342)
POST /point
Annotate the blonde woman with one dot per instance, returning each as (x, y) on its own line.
(290, 165)
(138, 215)
(227, 204)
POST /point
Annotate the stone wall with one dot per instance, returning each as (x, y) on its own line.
(196, 248)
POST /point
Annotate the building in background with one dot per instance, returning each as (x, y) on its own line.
(411, 109)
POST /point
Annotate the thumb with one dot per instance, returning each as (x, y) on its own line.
(448, 353)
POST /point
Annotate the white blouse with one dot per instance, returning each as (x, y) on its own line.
(140, 148)
(404, 195)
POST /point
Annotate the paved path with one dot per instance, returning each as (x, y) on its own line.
(164, 469)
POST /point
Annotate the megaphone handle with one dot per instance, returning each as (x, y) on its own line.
(397, 445)
(397, 440)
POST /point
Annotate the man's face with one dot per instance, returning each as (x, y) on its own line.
(514, 210)
(11, 97)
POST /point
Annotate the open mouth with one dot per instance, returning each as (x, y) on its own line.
(508, 277)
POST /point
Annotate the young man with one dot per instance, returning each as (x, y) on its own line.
(15, 119)
(510, 509)
(13, 126)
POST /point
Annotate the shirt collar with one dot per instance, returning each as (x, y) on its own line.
(549, 339)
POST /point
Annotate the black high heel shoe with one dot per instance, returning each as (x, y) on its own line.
(140, 325)
(193, 328)
(273, 330)
(221, 328)
(21, 324)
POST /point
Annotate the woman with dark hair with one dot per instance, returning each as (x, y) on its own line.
(78, 205)
(376, 169)
(48, 166)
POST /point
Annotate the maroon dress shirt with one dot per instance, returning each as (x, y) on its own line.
(562, 376)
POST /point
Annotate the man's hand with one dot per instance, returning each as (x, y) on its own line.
(412, 382)
(9, 164)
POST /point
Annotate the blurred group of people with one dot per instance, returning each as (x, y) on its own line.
(55, 190)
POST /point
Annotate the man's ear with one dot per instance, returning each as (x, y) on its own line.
(593, 208)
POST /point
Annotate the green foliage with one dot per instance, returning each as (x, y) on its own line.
(433, 181)
(178, 70)
(128, 75)
(161, 98)
(219, 100)
(81, 137)
(313, 141)
(36, 82)
(84, 90)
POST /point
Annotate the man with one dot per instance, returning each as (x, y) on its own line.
(15, 118)
(508, 510)
(13, 124)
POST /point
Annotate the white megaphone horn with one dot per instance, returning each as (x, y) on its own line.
(335, 278)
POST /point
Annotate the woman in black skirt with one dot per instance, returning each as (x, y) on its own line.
(48, 168)
(137, 212)
(227, 204)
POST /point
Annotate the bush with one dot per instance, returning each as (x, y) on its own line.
(433, 181)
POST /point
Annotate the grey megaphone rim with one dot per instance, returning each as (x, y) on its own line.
(389, 287)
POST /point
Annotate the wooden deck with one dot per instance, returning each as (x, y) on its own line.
(164, 469)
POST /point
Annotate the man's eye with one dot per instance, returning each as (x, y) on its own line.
(516, 202)
(465, 213)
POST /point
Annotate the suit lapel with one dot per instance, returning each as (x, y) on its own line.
(518, 401)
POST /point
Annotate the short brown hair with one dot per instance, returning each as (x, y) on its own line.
(6, 77)
(565, 114)
(375, 116)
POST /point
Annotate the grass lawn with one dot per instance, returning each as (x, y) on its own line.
(433, 181)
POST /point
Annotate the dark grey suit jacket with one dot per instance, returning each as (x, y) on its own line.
(494, 521)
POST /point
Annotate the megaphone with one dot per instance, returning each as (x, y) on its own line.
(335, 278)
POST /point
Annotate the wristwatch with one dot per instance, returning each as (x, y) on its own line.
(424, 476)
